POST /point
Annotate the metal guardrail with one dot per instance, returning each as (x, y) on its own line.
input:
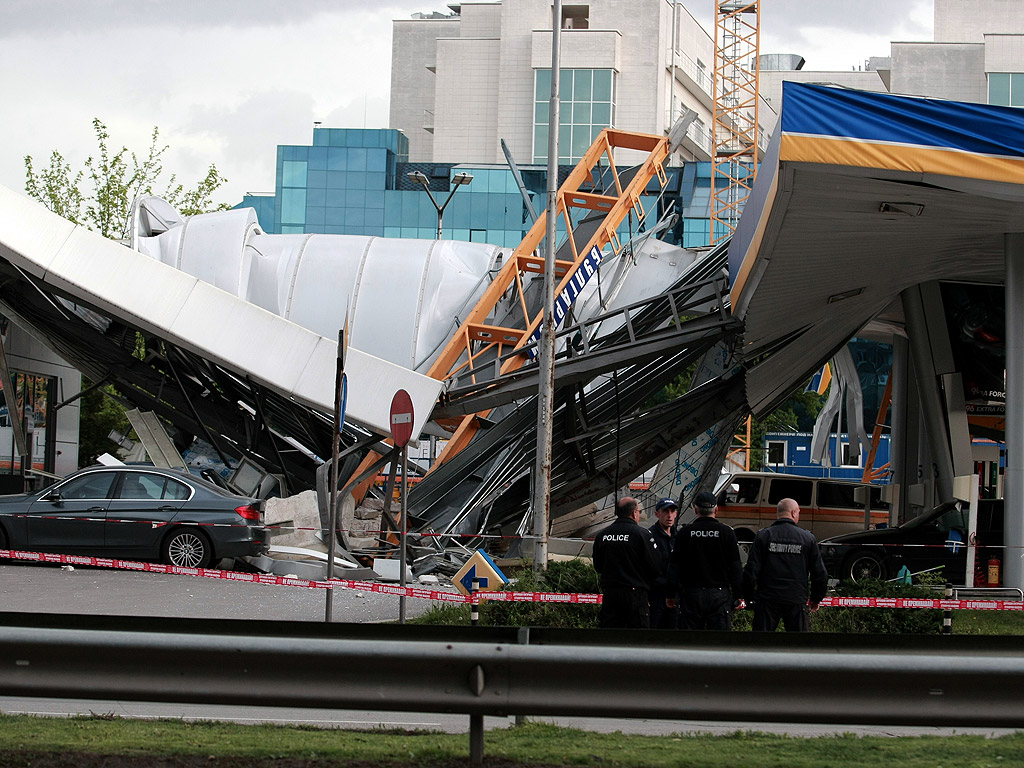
(926, 680)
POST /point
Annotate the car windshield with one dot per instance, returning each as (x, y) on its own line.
(931, 516)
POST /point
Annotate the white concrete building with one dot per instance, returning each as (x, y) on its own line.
(461, 83)
(977, 54)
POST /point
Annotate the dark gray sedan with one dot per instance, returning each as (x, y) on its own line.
(142, 513)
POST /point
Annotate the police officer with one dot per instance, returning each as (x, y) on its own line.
(706, 568)
(664, 611)
(782, 559)
(625, 556)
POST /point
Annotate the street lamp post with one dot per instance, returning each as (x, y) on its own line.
(420, 178)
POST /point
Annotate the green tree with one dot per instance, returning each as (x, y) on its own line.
(101, 413)
(99, 196)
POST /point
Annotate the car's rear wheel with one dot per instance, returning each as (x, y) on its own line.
(187, 548)
(863, 565)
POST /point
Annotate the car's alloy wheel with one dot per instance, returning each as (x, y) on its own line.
(864, 565)
(187, 549)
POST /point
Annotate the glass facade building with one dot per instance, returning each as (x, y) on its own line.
(355, 182)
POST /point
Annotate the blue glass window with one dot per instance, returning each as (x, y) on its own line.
(543, 89)
(318, 158)
(293, 206)
(377, 160)
(316, 179)
(316, 197)
(315, 216)
(1006, 89)
(337, 159)
(293, 173)
(357, 159)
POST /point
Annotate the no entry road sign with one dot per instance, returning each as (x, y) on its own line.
(401, 418)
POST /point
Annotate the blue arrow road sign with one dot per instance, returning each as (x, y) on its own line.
(467, 580)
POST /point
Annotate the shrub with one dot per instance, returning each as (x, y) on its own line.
(561, 576)
(902, 621)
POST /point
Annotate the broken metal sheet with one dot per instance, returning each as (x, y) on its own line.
(183, 310)
(402, 298)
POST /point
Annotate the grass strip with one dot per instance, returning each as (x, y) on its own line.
(113, 741)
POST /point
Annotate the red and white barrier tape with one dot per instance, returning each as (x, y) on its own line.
(916, 602)
(262, 578)
(421, 593)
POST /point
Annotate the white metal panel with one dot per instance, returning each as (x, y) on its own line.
(241, 335)
(385, 307)
(320, 284)
(455, 278)
(372, 384)
(28, 226)
(403, 298)
(212, 248)
(116, 279)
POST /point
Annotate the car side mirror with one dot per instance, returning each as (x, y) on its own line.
(53, 496)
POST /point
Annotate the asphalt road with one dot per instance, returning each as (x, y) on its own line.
(51, 589)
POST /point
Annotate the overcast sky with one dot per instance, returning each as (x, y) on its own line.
(226, 81)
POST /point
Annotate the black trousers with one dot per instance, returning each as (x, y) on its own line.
(624, 607)
(706, 608)
(662, 617)
(795, 617)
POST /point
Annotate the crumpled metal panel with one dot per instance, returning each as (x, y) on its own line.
(182, 309)
(403, 298)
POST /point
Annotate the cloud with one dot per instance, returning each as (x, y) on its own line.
(218, 95)
(226, 81)
(833, 35)
(54, 17)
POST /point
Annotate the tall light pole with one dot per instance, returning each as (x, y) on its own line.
(546, 348)
(420, 178)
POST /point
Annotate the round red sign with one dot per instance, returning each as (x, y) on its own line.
(401, 418)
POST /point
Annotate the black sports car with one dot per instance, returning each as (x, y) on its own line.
(930, 540)
(134, 512)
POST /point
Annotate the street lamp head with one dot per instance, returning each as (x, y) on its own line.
(462, 178)
(420, 178)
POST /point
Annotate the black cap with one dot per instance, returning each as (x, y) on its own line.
(665, 504)
(705, 500)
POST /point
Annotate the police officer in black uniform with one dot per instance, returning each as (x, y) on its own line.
(625, 556)
(782, 559)
(705, 567)
(664, 610)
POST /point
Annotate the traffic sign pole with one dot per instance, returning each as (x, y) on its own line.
(405, 530)
(401, 433)
(332, 516)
